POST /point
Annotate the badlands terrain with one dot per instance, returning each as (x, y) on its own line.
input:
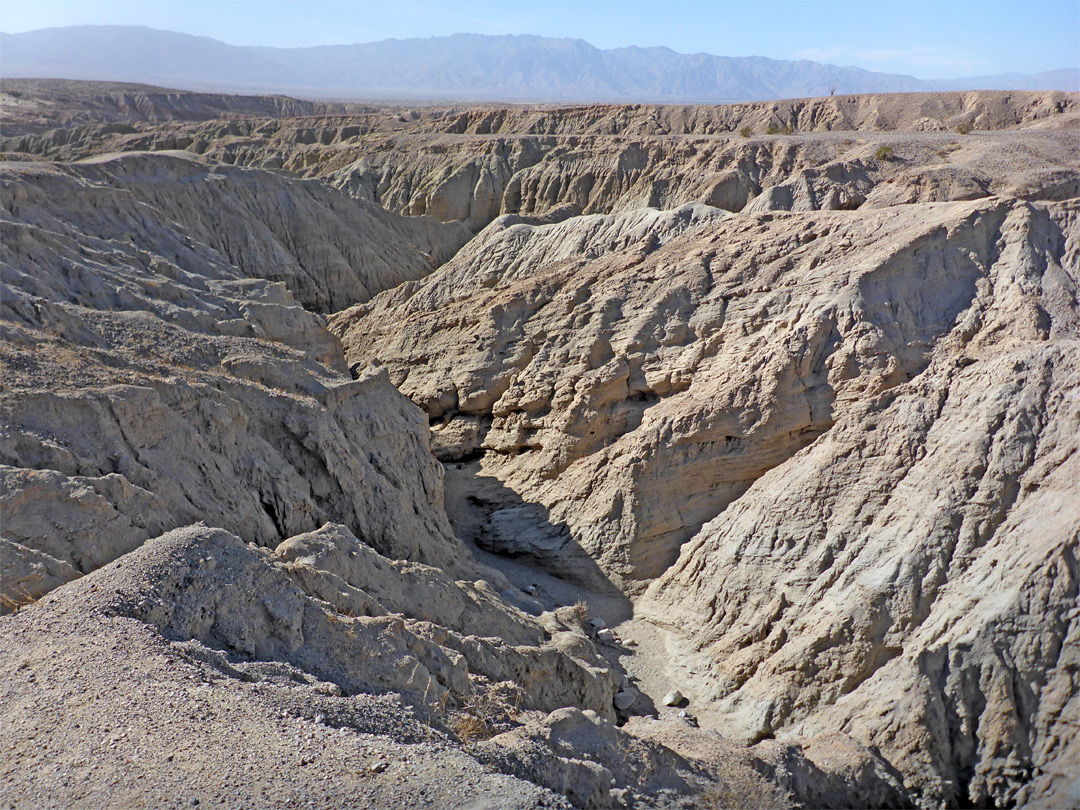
(595, 457)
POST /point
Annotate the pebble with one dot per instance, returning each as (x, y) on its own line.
(625, 699)
(607, 636)
(597, 624)
(673, 698)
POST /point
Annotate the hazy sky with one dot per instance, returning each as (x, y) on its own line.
(923, 38)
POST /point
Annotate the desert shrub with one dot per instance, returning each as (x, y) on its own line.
(746, 132)
(884, 152)
(486, 712)
(963, 129)
(775, 130)
(469, 727)
(741, 789)
(581, 612)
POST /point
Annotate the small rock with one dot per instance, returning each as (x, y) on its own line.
(625, 699)
(531, 590)
(380, 766)
(673, 698)
(597, 624)
(688, 718)
(606, 636)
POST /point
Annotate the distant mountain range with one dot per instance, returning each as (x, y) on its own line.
(462, 67)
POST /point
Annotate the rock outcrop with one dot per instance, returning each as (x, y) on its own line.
(36, 105)
(873, 412)
(155, 380)
(474, 164)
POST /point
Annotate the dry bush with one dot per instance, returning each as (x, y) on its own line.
(581, 612)
(741, 789)
(746, 132)
(482, 714)
(469, 727)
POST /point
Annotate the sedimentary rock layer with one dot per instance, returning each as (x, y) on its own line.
(153, 382)
(873, 412)
(475, 164)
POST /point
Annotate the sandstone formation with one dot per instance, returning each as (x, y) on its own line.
(871, 411)
(742, 472)
(475, 164)
(159, 383)
(152, 382)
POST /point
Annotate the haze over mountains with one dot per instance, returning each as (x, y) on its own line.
(463, 66)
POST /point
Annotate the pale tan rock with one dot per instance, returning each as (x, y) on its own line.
(830, 454)
(27, 574)
(869, 411)
(473, 164)
(163, 382)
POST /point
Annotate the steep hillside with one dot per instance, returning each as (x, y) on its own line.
(201, 504)
(473, 164)
(845, 441)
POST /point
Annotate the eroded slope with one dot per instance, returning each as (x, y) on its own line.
(872, 412)
(246, 565)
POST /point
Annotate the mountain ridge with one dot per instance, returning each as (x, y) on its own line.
(524, 68)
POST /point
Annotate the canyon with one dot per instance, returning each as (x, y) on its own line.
(588, 456)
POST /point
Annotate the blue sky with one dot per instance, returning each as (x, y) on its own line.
(922, 38)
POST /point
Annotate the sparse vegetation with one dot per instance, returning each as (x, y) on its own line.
(469, 727)
(581, 612)
(884, 152)
(741, 789)
(481, 716)
(832, 90)
(963, 129)
(746, 132)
